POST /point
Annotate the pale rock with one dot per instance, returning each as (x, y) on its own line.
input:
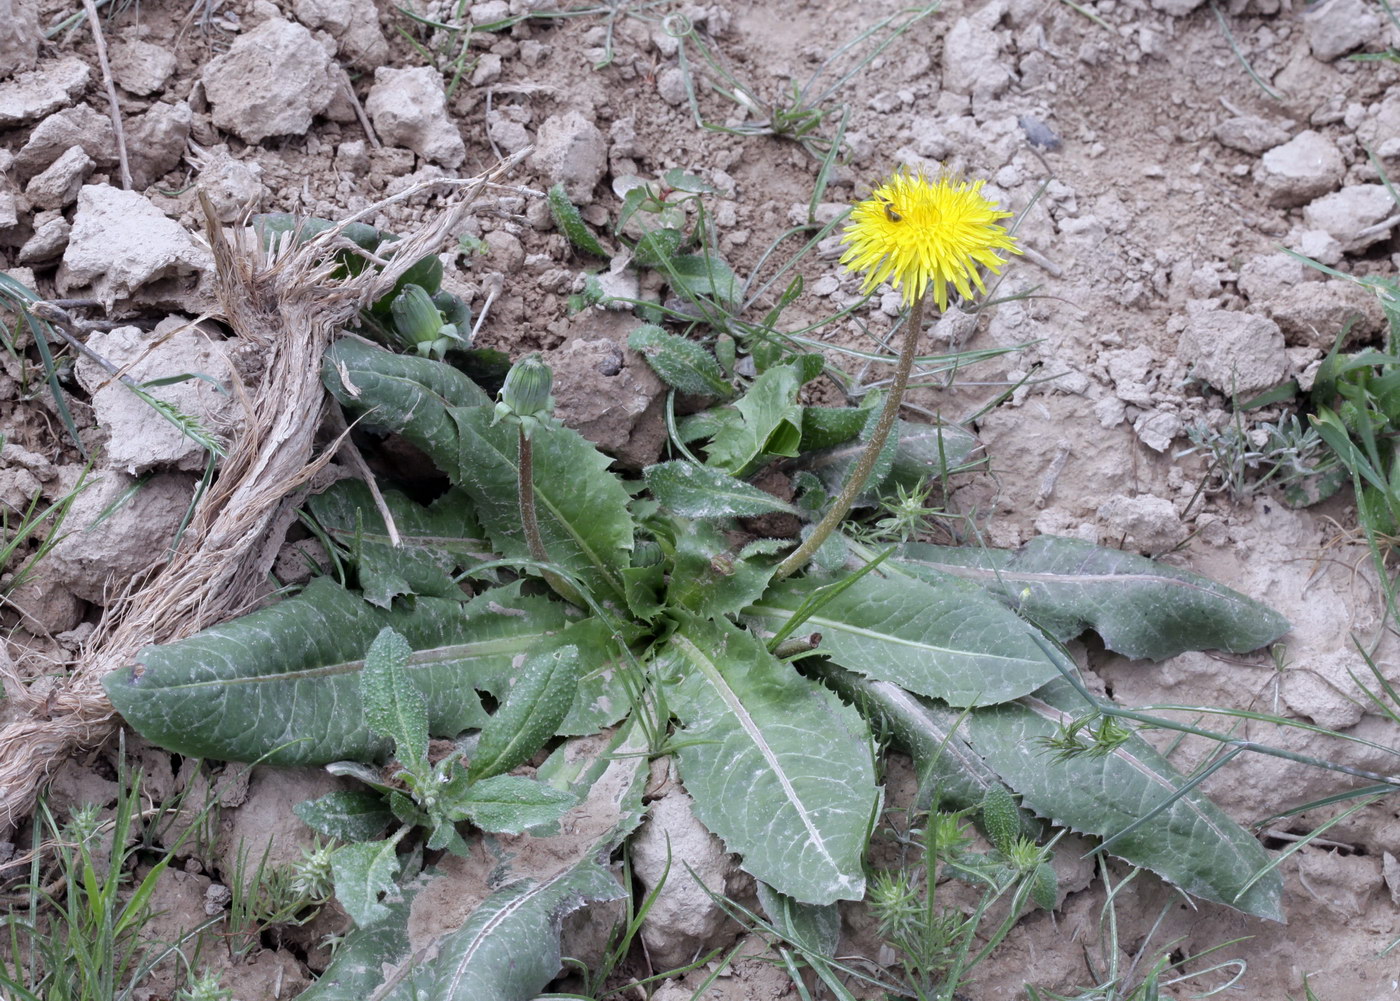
(506, 251)
(354, 24)
(1382, 124)
(670, 86)
(352, 156)
(1344, 884)
(1312, 314)
(54, 85)
(1250, 134)
(232, 186)
(106, 544)
(121, 244)
(263, 822)
(489, 11)
(511, 136)
(49, 240)
(142, 68)
(1337, 27)
(1265, 276)
(488, 69)
(1158, 429)
(1346, 214)
(9, 209)
(271, 82)
(1151, 523)
(570, 150)
(1110, 412)
(972, 60)
(1307, 166)
(137, 439)
(1232, 351)
(409, 109)
(45, 607)
(157, 141)
(609, 394)
(684, 920)
(80, 125)
(1321, 246)
(1176, 8)
(19, 36)
(57, 187)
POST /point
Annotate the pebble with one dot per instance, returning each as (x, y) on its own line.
(354, 24)
(1151, 522)
(1307, 166)
(1337, 27)
(1250, 134)
(670, 86)
(1345, 215)
(488, 70)
(972, 60)
(30, 96)
(570, 150)
(80, 125)
(408, 108)
(489, 12)
(57, 187)
(1176, 8)
(271, 82)
(157, 141)
(1321, 246)
(1234, 352)
(142, 68)
(49, 239)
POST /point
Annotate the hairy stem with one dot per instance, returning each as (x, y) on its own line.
(855, 483)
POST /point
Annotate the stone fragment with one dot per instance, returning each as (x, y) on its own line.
(1176, 8)
(1232, 351)
(972, 60)
(49, 240)
(511, 136)
(1151, 523)
(1337, 27)
(1250, 134)
(157, 142)
(122, 244)
(670, 86)
(1350, 215)
(609, 394)
(353, 156)
(489, 12)
(45, 608)
(80, 125)
(137, 439)
(1265, 276)
(684, 920)
(106, 544)
(1306, 167)
(1157, 430)
(19, 36)
(30, 96)
(409, 109)
(271, 82)
(354, 24)
(58, 186)
(232, 186)
(1320, 246)
(1312, 314)
(570, 150)
(142, 68)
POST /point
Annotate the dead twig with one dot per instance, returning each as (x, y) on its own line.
(114, 108)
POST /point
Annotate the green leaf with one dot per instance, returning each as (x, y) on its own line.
(434, 541)
(950, 640)
(680, 362)
(710, 577)
(815, 929)
(827, 427)
(393, 706)
(1140, 607)
(346, 814)
(510, 804)
(508, 950)
(571, 224)
(770, 422)
(657, 247)
(282, 684)
(778, 766)
(1000, 818)
(921, 452)
(703, 276)
(358, 963)
(364, 872)
(581, 506)
(531, 714)
(1192, 844)
(951, 774)
(694, 491)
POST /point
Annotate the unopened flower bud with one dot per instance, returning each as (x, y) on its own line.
(416, 320)
(525, 395)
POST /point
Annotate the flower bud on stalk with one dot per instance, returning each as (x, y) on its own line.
(525, 396)
(419, 323)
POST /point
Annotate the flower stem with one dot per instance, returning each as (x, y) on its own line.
(855, 483)
(531, 525)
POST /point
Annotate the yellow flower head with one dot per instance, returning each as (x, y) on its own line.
(914, 231)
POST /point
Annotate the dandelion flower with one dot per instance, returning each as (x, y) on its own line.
(913, 232)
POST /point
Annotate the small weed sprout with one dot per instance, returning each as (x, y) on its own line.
(1246, 459)
(208, 986)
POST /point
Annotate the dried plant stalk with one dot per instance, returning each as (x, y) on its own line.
(286, 305)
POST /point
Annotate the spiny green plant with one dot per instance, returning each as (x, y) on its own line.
(638, 609)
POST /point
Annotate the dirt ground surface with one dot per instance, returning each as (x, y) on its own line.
(1176, 149)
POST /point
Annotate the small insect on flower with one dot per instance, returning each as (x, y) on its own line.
(915, 231)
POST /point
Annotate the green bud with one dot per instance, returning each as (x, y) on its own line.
(526, 392)
(416, 320)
